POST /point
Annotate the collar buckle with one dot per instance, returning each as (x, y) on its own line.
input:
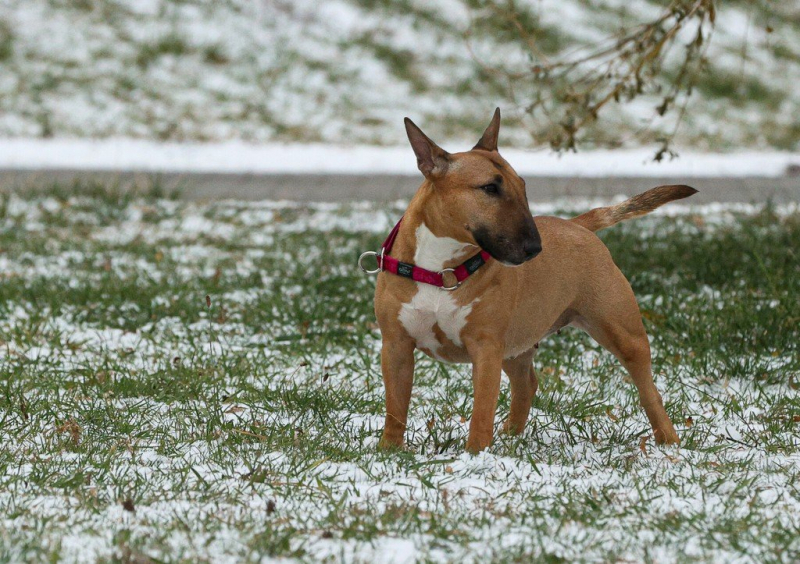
(454, 286)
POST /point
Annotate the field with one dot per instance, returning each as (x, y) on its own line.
(347, 71)
(200, 382)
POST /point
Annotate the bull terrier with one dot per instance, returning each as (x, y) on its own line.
(470, 276)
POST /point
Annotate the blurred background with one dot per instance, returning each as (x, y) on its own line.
(669, 78)
(347, 71)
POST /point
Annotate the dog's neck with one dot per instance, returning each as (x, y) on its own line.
(421, 240)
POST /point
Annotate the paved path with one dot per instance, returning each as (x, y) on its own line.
(340, 188)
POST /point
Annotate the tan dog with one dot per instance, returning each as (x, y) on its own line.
(474, 200)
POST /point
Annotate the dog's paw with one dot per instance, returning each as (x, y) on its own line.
(474, 446)
(512, 429)
(390, 445)
(668, 437)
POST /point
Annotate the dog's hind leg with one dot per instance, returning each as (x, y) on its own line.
(524, 384)
(615, 322)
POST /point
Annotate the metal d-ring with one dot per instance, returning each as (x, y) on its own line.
(454, 286)
(371, 254)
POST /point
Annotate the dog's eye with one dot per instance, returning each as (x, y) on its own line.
(491, 188)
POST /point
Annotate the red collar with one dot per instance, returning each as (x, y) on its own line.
(390, 264)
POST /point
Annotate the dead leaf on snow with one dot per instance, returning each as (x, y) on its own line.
(72, 428)
(643, 444)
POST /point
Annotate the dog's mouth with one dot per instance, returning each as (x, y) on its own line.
(512, 264)
(515, 264)
(509, 252)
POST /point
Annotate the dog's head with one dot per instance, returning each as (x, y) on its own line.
(478, 196)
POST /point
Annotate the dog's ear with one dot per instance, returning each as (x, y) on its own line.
(489, 140)
(432, 160)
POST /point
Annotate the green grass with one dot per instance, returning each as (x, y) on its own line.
(201, 382)
(171, 44)
(6, 41)
(191, 71)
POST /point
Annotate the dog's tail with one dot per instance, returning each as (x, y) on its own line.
(639, 205)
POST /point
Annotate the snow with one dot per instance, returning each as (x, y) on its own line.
(196, 503)
(301, 71)
(348, 71)
(236, 157)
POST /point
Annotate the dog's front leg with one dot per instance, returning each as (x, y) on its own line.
(487, 362)
(397, 365)
(524, 384)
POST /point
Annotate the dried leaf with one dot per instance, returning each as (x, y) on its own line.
(654, 316)
(71, 427)
(23, 408)
(643, 444)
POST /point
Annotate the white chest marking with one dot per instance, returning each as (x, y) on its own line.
(431, 306)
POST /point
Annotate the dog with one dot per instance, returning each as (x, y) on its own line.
(470, 276)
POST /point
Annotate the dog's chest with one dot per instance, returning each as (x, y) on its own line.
(433, 316)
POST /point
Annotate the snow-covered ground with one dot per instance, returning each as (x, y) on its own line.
(244, 158)
(200, 382)
(347, 71)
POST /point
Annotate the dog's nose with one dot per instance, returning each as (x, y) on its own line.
(531, 247)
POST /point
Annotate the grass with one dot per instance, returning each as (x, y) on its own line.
(184, 70)
(171, 44)
(200, 382)
(6, 41)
